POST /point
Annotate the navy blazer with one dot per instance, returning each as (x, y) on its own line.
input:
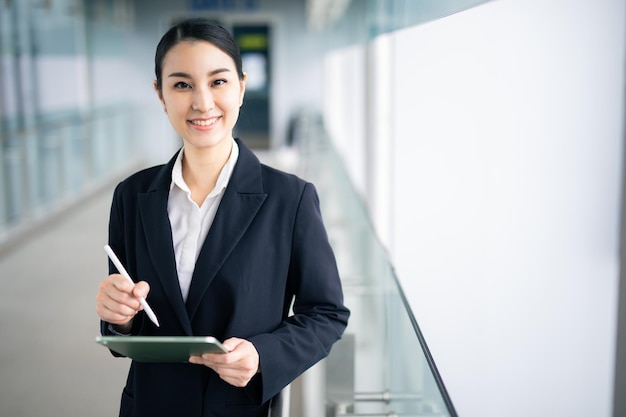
(266, 253)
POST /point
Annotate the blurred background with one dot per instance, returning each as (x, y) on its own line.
(469, 158)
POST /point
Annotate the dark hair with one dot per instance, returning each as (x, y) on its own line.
(197, 29)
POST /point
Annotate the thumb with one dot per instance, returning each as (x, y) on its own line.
(141, 290)
(232, 343)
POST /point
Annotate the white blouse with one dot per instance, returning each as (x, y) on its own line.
(190, 223)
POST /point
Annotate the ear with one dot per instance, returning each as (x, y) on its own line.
(159, 94)
(242, 88)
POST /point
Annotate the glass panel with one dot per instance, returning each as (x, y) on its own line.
(50, 141)
(393, 370)
(7, 103)
(364, 20)
(389, 15)
(64, 115)
(14, 186)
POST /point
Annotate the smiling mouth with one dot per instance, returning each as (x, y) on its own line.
(204, 123)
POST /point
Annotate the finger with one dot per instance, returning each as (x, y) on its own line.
(112, 314)
(243, 358)
(114, 318)
(111, 298)
(198, 360)
(127, 307)
(121, 283)
(232, 343)
(236, 372)
(112, 311)
(217, 361)
(141, 289)
(125, 292)
(123, 299)
(223, 359)
(237, 378)
(233, 375)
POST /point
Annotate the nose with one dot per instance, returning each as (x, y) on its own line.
(202, 99)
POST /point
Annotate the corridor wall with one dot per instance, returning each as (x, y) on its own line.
(503, 188)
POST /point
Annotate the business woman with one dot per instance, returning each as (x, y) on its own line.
(220, 245)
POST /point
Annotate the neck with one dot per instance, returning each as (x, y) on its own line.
(202, 167)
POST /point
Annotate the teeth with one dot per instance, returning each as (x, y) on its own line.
(204, 122)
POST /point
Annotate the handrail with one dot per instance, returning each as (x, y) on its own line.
(431, 362)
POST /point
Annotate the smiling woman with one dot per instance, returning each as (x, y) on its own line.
(194, 233)
(201, 94)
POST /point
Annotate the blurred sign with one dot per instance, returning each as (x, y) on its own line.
(225, 4)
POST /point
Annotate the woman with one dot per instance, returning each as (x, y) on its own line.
(221, 246)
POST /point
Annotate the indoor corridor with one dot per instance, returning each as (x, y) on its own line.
(51, 365)
(469, 161)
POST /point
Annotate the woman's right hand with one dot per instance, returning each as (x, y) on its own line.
(117, 301)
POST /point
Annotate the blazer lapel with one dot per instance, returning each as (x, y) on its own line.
(156, 227)
(242, 199)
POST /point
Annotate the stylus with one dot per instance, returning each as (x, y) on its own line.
(122, 270)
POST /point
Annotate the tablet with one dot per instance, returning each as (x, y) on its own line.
(162, 348)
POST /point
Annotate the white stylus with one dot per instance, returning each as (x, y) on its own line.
(122, 271)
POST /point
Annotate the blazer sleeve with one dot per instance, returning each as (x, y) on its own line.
(117, 241)
(319, 315)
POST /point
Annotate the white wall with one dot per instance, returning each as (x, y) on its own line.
(506, 126)
(507, 166)
(344, 108)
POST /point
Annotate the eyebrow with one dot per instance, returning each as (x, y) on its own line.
(185, 75)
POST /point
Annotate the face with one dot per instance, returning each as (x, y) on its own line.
(201, 93)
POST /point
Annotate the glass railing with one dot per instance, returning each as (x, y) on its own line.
(57, 160)
(382, 365)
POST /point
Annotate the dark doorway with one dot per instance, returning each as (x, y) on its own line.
(253, 126)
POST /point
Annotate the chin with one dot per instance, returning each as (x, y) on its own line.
(206, 142)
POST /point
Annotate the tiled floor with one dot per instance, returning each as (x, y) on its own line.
(50, 364)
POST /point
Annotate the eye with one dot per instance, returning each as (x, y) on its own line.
(181, 85)
(221, 81)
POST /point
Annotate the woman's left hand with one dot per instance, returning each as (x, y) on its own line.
(237, 367)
